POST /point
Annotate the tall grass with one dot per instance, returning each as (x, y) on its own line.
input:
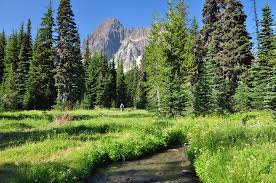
(229, 148)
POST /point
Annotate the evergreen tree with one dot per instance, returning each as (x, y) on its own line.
(91, 80)
(205, 89)
(121, 85)
(174, 102)
(154, 60)
(243, 97)
(40, 93)
(9, 92)
(113, 85)
(23, 64)
(131, 79)
(235, 53)
(140, 98)
(20, 36)
(256, 20)
(69, 77)
(210, 16)
(263, 68)
(3, 43)
(103, 83)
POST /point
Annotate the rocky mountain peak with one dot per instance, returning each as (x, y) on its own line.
(111, 38)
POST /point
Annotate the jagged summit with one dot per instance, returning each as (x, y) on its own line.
(111, 38)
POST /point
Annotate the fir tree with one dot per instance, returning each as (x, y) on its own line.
(9, 92)
(121, 85)
(40, 92)
(205, 89)
(69, 77)
(210, 16)
(262, 69)
(23, 64)
(3, 43)
(103, 83)
(256, 20)
(178, 74)
(113, 80)
(243, 97)
(235, 53)
(140, 98)
(20, 36)
(131, 79)
(91, 80)
(154, 61)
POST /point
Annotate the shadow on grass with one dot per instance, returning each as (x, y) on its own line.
(22, 116)
(122, 115)
(44, 172)
(17, 138)
(76, 117)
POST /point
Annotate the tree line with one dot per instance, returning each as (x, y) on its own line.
(184, 68)
(52, 72)
(211, 70)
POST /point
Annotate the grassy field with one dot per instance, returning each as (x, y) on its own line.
(231, 148)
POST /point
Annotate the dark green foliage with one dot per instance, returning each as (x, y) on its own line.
(121, 88)
(3, 43)
(99, 82)
(91, 81)
(140, 98)
(263, 70)
(235, 54)
(154, 61)
(266, 35)
(24, 58)
(132, 78)
(243, 97)
(170, 62)
(69, 77)
(113, 85)
(210, 16)
(40, 92)
(103, 83)
(178, 66)
(205, 89)
(9, 92)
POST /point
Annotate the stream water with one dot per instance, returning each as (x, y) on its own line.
(169, 166)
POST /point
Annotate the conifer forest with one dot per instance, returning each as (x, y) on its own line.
(204, 94)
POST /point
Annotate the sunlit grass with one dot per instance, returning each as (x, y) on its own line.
(34, 148)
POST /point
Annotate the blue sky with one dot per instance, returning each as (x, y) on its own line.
(90, 13)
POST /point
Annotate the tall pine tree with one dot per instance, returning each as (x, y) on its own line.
(103, 83)
(121, 85)
(154, 62)
(178, 66)
(9, 92)
(40, 93)
(235, 54)
(91, 80)
(22, 71)
(140, 98)
(3, 43)
(263, 68)
(69, 77)
(113, 85)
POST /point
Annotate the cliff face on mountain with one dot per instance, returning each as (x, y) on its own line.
(111, 38)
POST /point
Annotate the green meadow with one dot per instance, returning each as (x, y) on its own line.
(36, 147)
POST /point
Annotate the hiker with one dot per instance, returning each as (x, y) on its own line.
(122, 107)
